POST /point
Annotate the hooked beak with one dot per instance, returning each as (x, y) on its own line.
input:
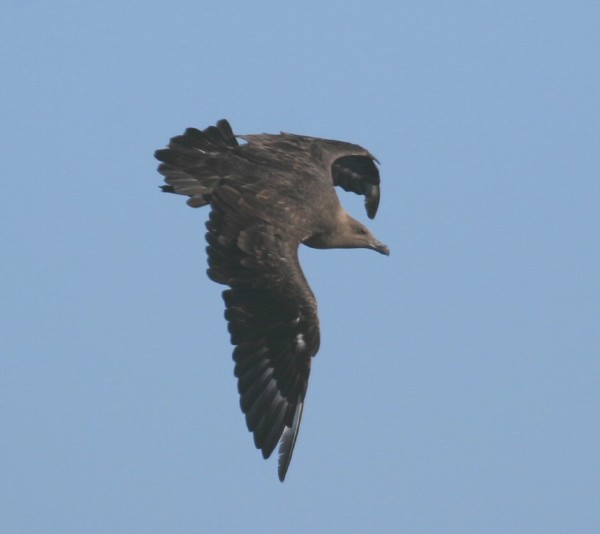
(379, 247)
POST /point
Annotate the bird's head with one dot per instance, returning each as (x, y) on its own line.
(347, 233)
(359, 236)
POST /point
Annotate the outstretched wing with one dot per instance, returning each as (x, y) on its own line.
(360, 175)
(272, 317)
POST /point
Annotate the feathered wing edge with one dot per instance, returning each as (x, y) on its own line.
(288, 441)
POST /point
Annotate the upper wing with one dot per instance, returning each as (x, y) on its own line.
(272, 316)
(360, 175)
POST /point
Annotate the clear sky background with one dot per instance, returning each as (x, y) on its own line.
(457, 385)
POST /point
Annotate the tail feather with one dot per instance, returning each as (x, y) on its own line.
(192, 164)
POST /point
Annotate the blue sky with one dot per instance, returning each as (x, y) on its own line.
(457, 385)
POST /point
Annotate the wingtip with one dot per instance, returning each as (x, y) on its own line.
(288, 441)
(372, 194)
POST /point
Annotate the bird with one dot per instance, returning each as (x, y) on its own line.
(268, 194)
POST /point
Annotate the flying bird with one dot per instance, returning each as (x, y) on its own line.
(267, 195)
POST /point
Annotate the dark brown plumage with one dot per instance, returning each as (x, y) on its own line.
(267, 196)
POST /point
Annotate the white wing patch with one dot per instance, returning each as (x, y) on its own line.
(299, 341)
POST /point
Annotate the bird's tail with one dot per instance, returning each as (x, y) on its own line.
(193, 165)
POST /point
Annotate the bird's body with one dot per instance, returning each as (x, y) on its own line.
(268, 196)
